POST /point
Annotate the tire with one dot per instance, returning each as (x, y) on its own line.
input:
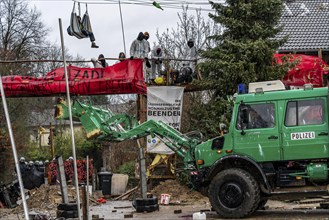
(67, 206)
(67, 214)
(145, 202)
(262, 203)
(147, 208)
(234, 193)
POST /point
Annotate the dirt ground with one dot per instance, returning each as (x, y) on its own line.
(183, 203)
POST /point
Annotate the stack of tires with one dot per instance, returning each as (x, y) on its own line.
(146, 205)
(67, 210)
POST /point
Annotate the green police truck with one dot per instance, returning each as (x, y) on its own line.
(276, 144)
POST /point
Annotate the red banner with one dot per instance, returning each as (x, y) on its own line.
(309, 69)
(122, 78)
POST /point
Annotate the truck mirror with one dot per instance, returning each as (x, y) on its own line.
(222, 128)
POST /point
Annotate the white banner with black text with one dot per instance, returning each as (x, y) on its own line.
(164, 103)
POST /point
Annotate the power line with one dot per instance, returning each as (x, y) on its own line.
(170, 4)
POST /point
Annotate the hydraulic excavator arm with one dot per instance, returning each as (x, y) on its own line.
(104, 125)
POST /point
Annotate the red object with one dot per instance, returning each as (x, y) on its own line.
(122, 78)
(309, 69)
(52, 171)
(101, 200)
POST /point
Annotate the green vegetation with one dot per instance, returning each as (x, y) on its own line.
(63, 147)
(243, 53)
(129, 169)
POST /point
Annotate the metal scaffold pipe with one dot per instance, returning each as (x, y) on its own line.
(13, 146)
(71, 121)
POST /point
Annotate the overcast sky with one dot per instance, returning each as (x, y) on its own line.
(106, 23)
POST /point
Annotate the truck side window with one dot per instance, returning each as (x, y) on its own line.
(256, 116)
(304, 112)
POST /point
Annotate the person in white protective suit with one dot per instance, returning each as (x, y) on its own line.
(156, 56)
(191, 54)
(138, 50)
(100, 62)
(147, 43)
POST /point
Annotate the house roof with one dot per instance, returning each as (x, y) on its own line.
(306, 23)
(44, 118)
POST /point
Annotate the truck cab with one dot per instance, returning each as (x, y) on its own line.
(277, 143)
(281, 125)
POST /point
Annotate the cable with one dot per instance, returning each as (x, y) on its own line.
(170, 4)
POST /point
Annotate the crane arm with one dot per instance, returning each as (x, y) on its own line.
(104, 125)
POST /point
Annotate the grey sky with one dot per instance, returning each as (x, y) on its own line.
(106, 24)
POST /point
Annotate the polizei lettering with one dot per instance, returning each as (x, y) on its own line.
(303, 135)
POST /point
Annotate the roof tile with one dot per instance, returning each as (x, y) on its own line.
(306, 22)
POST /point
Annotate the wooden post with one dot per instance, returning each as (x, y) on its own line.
(320, 53)
(84, 203)
(51, 136)
(62, 179)
(142, 173)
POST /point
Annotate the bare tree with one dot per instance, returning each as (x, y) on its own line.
(23, 37)
(196, 27)
(22, 31)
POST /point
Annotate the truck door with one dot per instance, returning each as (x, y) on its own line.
(256, 131)
(305, 129)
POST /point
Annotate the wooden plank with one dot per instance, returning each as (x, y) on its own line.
(127, 193)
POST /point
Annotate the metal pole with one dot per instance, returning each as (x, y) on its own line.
(21, 186)
(87, 203)
(123, 32)
(71, 121)
(142, 171)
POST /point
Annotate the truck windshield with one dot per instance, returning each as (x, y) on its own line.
(253, 116)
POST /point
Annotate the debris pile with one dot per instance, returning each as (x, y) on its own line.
(178, 193)
(45, 198)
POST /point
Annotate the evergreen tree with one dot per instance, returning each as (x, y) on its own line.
(243, 53)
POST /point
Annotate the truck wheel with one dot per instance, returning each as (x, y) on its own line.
(234, 193)
(262, 203)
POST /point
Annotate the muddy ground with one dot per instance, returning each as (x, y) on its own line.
(183, 203)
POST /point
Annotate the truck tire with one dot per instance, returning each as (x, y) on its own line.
(234, 193)
(262, 203)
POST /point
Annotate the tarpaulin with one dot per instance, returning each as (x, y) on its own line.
(122, 78)
(308, 69)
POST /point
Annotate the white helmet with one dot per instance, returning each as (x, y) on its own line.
(22, 159)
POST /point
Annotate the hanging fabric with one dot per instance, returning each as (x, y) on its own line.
(76, 27)
(86, 21)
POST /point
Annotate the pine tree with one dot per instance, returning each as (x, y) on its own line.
(245, 49)
(243, 53)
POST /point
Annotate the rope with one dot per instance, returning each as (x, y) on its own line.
(78, 61)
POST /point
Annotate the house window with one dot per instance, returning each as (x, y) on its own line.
(256, 116)
(305, 112)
